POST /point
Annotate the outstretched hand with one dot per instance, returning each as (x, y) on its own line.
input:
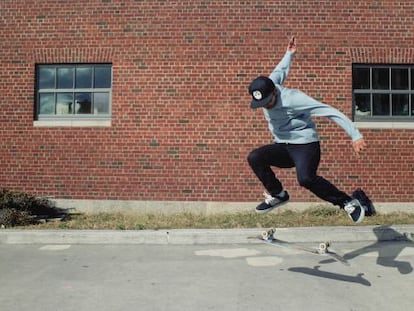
(359, 145)
(292, 45)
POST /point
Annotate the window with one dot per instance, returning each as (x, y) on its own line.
(383, 92)
(73, 91)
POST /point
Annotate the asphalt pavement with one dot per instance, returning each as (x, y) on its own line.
(206, 270)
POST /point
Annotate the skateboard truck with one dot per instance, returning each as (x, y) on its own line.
(268, 234)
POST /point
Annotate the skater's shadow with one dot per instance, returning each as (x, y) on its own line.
(389, 245)
(333, 276)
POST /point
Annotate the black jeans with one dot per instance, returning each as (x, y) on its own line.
(305, 158)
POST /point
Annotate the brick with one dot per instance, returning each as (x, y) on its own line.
(181, 125)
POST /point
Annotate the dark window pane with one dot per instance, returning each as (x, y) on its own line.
(412, 105)
(46, 103)
(412, 80)
(360, 78)
(64, 103)
(101, 103)
(381, 104)
(102, 77)
(46, 78)
(65, 78)
(83, 103)
(399, 79)
(83, 77)
(400, 105)
(362, 105)
(380, 78)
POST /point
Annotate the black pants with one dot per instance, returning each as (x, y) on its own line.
(305, 158)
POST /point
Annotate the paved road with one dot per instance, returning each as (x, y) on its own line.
(227, 277)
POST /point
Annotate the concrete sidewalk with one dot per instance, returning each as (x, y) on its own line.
(205, 277)
(206, 236)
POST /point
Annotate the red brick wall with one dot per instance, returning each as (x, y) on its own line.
(181, 125)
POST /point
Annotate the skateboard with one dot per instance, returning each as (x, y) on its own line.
(323, 247)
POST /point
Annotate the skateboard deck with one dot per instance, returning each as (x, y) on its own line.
(323, 248)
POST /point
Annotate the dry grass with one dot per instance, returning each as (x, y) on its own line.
(318, 216)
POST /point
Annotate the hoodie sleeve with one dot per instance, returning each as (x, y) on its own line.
(281, 71)
(315, 108)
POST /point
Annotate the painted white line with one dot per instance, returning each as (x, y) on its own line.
(58, 247)
(269, 261)
(228, 252)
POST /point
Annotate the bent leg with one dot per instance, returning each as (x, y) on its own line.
(261, 160)
(306, 158)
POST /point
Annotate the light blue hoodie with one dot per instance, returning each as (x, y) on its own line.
(290, 120)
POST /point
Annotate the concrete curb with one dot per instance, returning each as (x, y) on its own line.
(202, 207)
(206, 236)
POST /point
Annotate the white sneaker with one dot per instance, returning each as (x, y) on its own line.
(355, 210)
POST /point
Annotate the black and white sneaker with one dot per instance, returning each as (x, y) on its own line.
(272, 202)
(355, 210)
(365, 201)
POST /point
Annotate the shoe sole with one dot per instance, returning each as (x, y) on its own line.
(361, 216)
(265, 211)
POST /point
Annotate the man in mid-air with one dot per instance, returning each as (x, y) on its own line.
(289, 115)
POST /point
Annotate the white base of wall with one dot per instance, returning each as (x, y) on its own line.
(173, 207)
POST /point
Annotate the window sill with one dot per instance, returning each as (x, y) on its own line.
(384, 125)
(73, 123)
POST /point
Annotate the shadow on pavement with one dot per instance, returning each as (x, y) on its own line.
(389, 246)
(329, 275)
(388, 251)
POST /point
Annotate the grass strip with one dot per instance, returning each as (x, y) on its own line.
(316, 216)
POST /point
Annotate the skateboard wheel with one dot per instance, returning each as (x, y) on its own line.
(268, 234)
(323, 247)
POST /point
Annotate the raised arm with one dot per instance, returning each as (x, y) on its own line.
(292, 45)
(280, 73)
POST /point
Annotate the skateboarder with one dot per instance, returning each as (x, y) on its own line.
(288, 113)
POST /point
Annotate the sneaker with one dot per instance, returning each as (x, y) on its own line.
(365, 201)
(355, 210)
(271, 202)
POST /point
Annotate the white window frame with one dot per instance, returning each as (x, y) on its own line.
(93, 119)
(387, 121)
